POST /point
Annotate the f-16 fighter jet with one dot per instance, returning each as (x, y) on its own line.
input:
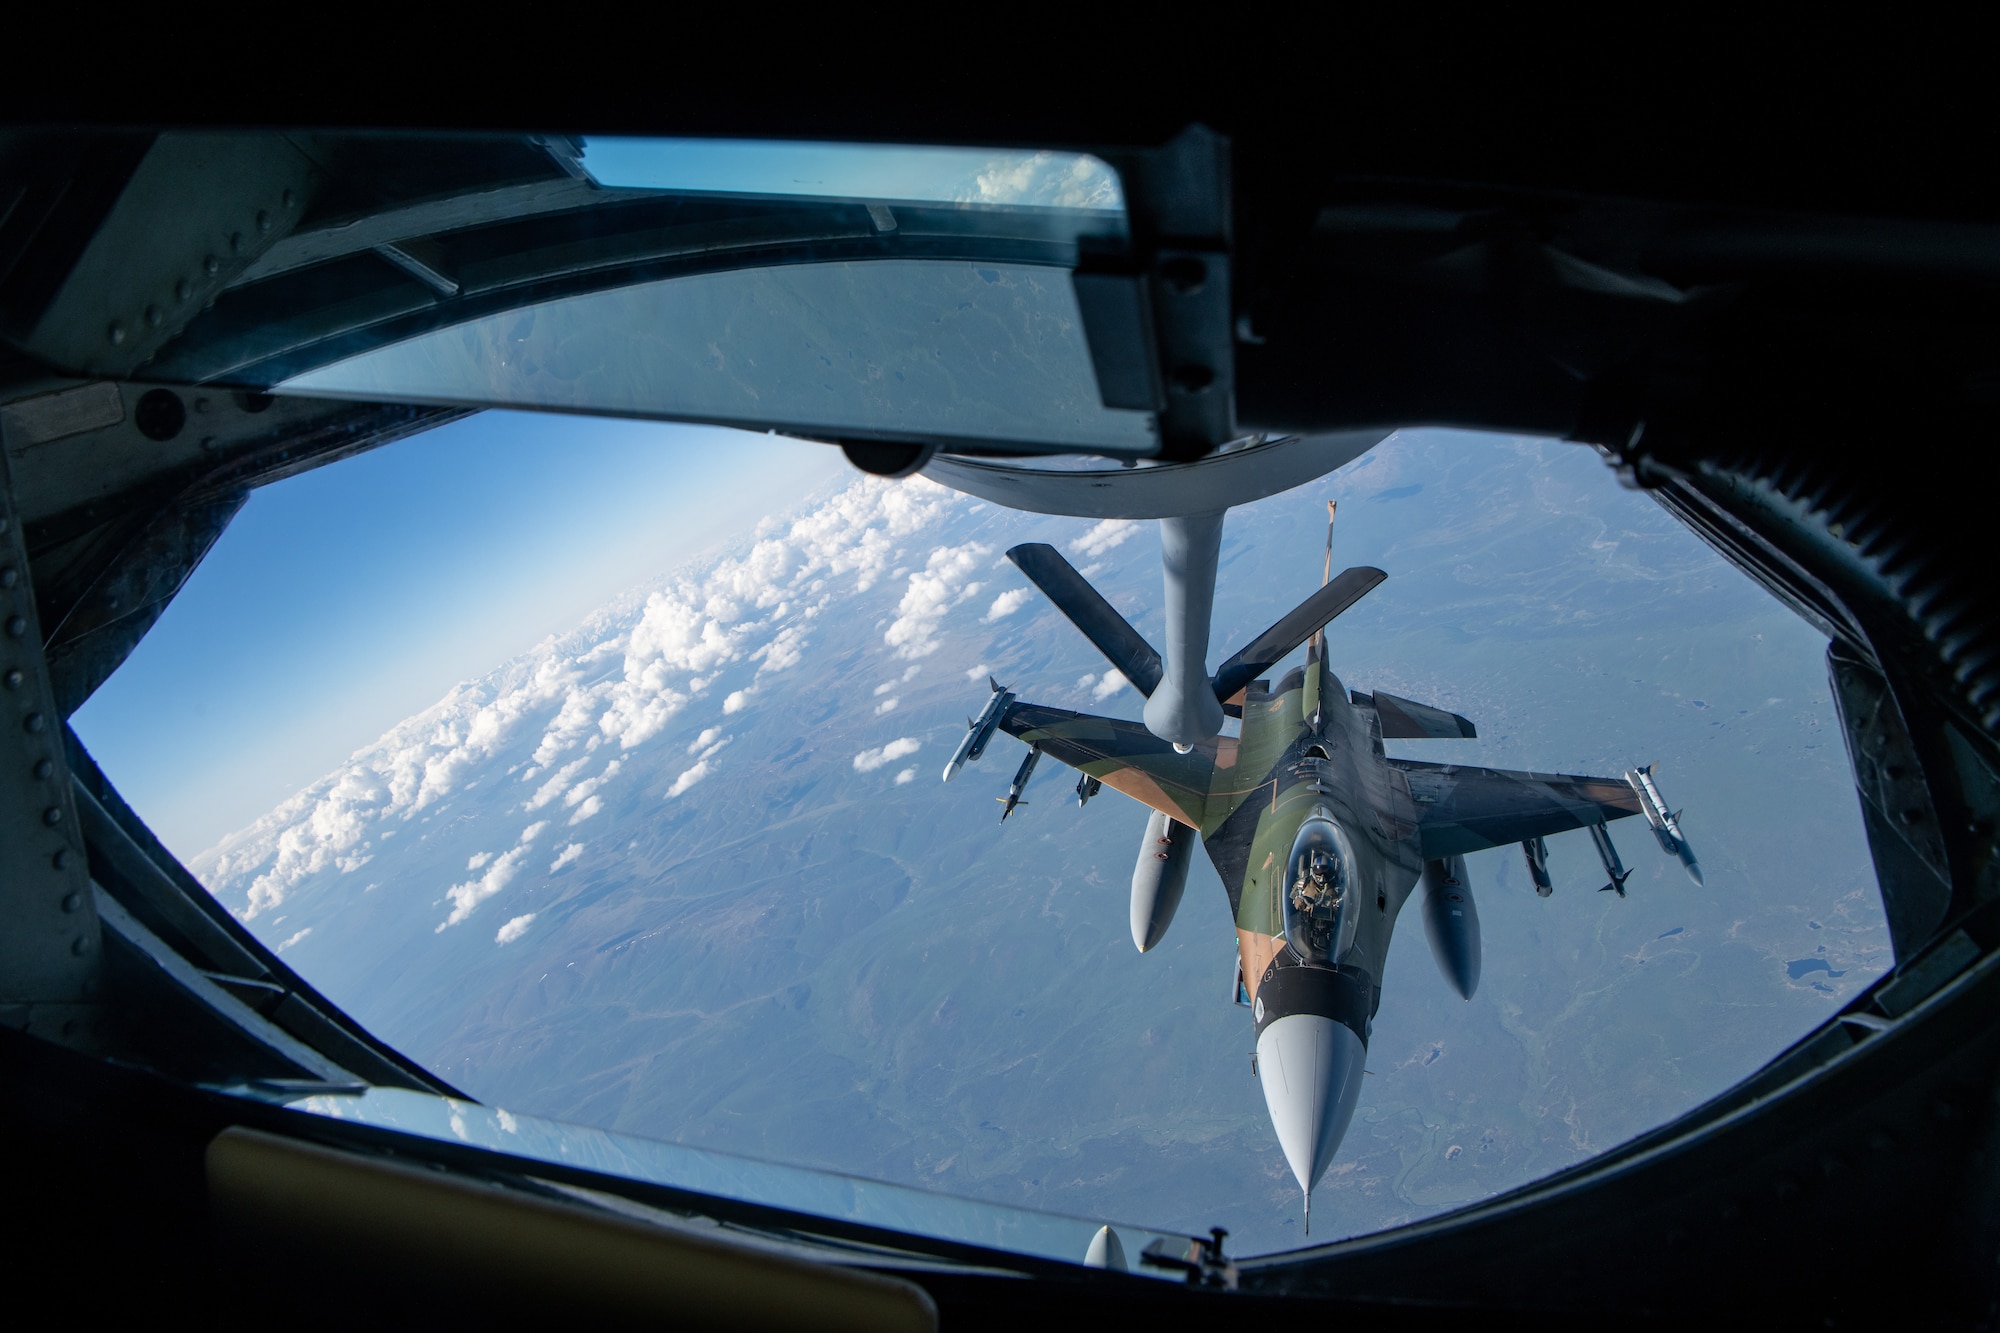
(1318, 836)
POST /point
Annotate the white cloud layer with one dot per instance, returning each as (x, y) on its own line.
(688, 778)
(465, 898)
(870, 760)
(515, 928)
(1114, 681)
(617, 682)
(568, 854)
(1006, 604)
(942, 585)
(1106, 535)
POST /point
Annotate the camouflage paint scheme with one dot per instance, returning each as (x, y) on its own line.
(1307, 744)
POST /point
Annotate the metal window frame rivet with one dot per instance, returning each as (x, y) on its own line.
(52, 816)
(72, 902)
(61, 859)
(16, 626)
(33, 723)
(79, 946)
(211, 265)
(9, 577)
(14, 679)
(154, 317)
(116, 333)
(45, 768)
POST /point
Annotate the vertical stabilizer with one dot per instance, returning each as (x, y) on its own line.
(1316, 647)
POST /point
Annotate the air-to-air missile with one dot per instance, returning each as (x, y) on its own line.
(979, 730)
(1087, 787)
(1020, 782)
(1666, 823)
(1600, 836)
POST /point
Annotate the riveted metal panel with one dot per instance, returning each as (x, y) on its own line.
(49, 942)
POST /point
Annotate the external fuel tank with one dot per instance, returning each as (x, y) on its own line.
(1159, 878)
(1451, 923)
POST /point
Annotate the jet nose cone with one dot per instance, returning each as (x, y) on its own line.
(1311, 1071)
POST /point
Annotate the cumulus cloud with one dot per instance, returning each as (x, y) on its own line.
(294, 939)
(1006, 604)
(942, 584)
(1106, 535)
(784, 652)
(466, 897)
(617, 682)
(533, 831)
(581, 792)
(908, 775)
(1086, 680)
(556, 785)
(978, 672)
(568, 854)
(885, 687)
(886, 706)
(478, 859)
(706, 739)
(515, 928)
(688, 778)
(870, 760)
(1052, 180)
(1114, 681)
(910, 672)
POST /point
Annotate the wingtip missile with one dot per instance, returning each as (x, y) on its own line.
(1666, 822)
(979, 730)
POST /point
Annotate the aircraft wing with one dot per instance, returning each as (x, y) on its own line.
(1119, 754)
(1461, 809)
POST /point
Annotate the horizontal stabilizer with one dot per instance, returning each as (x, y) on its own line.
(1089, 612)
(1406, 719)
(1298, 625)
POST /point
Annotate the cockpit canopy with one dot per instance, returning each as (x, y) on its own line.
(1321, 892)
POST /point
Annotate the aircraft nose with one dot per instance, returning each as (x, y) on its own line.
(1310, 1067)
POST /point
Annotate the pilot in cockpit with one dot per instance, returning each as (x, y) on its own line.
(1318, 888)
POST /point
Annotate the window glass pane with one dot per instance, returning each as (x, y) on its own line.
(1073, 182)
(924, 350)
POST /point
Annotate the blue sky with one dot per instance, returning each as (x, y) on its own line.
(342, 601)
